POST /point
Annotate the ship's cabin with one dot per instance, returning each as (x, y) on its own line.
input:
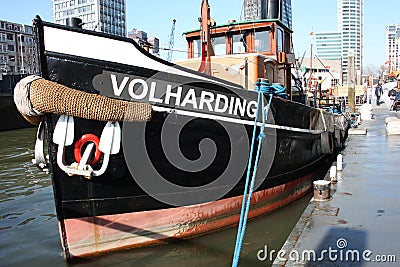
(245, 52)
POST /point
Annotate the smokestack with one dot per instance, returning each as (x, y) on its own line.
(273, 9)
(74, 22)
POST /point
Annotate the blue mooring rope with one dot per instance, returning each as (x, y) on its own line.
(275, 89)
(249, 191)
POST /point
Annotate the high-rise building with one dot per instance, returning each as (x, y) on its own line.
(252, 9)
(269, 9)
(17, 54)
(393, 46)
(286, 13)
(351, 27)
(328, 45)
(155, 45)
(106, 16)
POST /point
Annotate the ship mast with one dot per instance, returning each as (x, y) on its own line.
(311, 61)
(206, 46)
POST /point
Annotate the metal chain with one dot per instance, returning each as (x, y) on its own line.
(35, 55)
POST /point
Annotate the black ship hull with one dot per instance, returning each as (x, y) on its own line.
(183, 172)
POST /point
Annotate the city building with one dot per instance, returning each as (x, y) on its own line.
(252, 9)
(139, 36)
(351, 28)
(328, 45)
(108, 16)
(17, 53)
(286, 13)
(269, 9)
(349, 36)
(152, 44)
(326, 71)
(393, 47)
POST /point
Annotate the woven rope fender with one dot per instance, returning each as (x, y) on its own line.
(35, 96)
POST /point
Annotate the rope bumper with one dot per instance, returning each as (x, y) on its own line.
(35, 96)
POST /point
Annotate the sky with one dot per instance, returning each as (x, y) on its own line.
(156, 18)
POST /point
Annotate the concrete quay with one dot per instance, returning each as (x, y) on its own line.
(360, 225)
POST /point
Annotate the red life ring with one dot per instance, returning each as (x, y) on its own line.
(83, 140)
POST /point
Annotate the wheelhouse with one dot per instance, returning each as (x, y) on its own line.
(244, 52)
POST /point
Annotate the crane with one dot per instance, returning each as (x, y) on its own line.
(171, 41)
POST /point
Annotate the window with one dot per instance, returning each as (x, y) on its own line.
(261, 41)
(219, 45)
(3, 59)
(196, 48)
(10, 36)
(279, 37)
(10, 48)
(11, 58)
(29, 30)
(3, 48)
(3, 37)
(238, 43)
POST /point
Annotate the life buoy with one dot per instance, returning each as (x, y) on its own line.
(86, 138)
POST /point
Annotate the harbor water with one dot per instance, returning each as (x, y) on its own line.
(29, 231)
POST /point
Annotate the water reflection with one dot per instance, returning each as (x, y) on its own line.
(27, 214)
(17, 174)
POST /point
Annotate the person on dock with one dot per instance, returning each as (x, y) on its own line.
(378, 93)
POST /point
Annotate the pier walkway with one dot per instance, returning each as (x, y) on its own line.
(360, 225)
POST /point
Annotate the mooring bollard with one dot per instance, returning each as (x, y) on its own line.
(339, 176)
(322, 190)
(332, 174)
(339, 162)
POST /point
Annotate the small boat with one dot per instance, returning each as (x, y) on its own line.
(143, 151)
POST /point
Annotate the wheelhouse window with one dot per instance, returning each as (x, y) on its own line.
(261, 41)
(196, 48)
(219, 45)
(279, 37)
(238, 43)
